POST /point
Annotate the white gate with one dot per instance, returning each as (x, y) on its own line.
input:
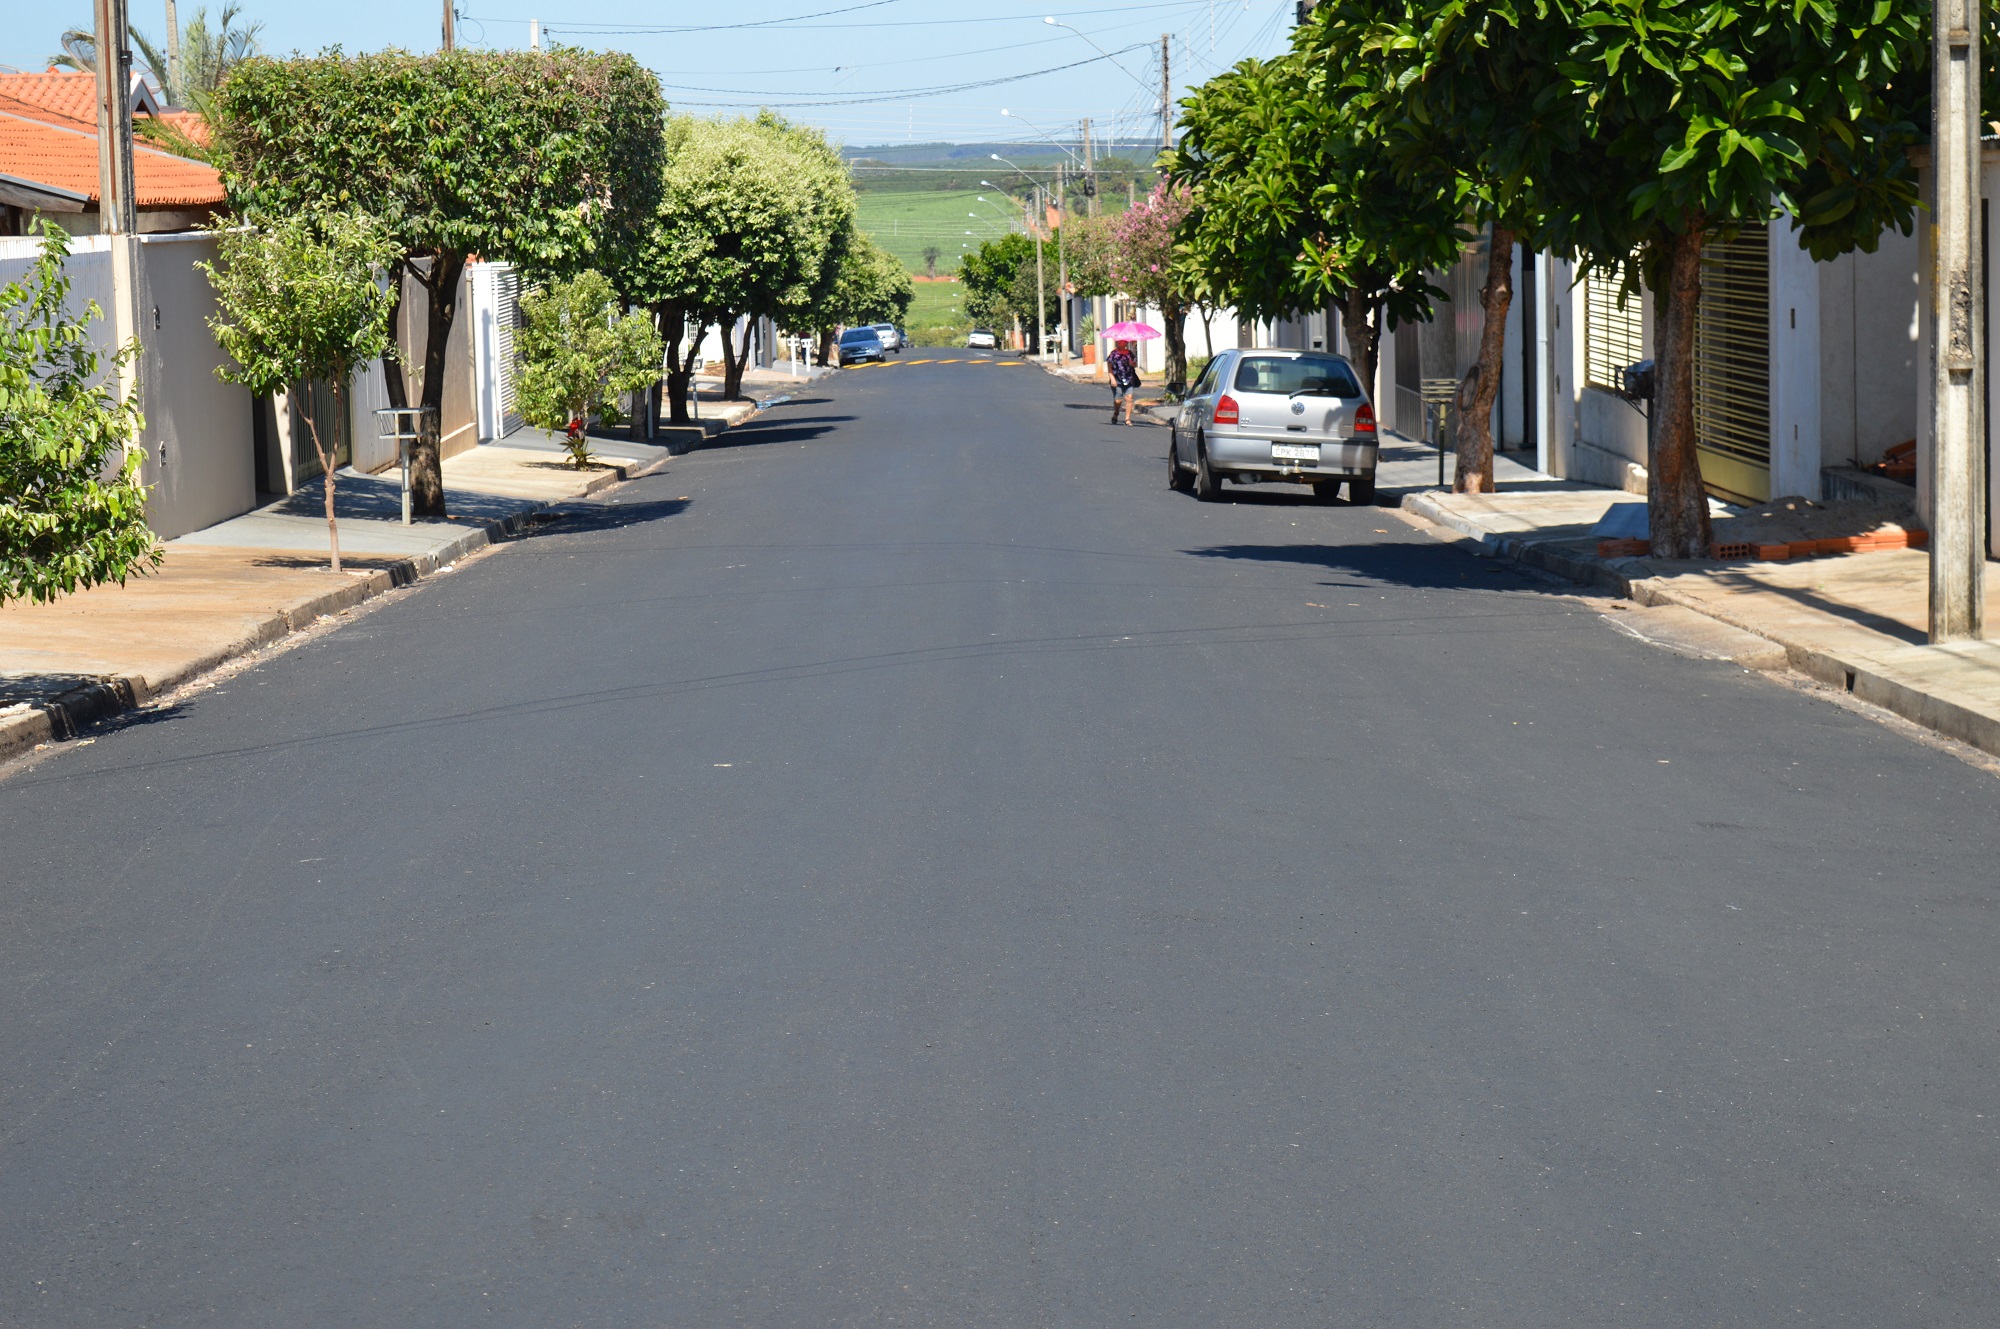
(496, 312)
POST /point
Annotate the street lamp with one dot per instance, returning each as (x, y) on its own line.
(1016, 115)
(1054, 23)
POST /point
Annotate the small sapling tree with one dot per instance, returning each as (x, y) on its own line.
(72, 510)
(300, 301)
(578, 353)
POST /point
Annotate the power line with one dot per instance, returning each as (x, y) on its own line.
(797, 19)
(910, 94)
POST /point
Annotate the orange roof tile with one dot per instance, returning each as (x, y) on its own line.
(65, 93)
(62, 157)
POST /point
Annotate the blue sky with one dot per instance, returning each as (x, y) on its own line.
(801, 51)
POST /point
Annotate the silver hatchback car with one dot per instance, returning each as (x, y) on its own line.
(1259, 415)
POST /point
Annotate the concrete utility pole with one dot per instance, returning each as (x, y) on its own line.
(117, 211)
(450, 35)
(174, 89)
(1958, 488)
(534, 34)
(1089, 171)
(1041, 292)
(1062, 266)
(1166, 95)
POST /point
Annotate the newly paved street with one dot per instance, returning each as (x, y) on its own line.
(904, 866)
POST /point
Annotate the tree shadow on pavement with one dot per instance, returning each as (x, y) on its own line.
(792, 429)
(1423, 566)
(610, 515)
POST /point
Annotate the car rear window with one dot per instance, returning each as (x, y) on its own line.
(1284, 375)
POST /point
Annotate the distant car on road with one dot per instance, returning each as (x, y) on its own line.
(858, 344)
(891, 335)
(1259, 415)
(982, 339)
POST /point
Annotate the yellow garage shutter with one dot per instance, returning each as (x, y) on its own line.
(1732, 367)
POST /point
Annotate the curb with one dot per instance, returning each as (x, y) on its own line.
(1632, 579)
(64, 716)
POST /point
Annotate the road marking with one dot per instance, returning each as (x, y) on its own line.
(923, 362)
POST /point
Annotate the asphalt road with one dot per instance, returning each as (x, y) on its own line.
(907, 867)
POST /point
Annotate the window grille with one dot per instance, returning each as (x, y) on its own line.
(1613, 336)
(1732, 366)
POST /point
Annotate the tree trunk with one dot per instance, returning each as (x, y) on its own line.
(671, 317)
(326, 461)
(1676, 502)
(732, 362)
(427, 458)
(392, 363)
(1360, 324)
(1475, 417)
(1175, 317)
(1207, 331)
(825, 347)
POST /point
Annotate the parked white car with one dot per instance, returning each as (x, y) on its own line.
(982, 339)
(1275, 415)
(891, 336)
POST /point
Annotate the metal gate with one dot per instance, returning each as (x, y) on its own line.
(1732, 367)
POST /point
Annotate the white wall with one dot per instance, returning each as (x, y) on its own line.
(1795, 366)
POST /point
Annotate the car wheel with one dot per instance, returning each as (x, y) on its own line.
(1207, 484)
(1177, 476)
(1361, 490)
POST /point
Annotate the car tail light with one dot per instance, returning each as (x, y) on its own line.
(1227, 412)
(1364, 419)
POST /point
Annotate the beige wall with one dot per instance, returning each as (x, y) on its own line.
(198, 435)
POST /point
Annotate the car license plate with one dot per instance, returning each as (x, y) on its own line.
(1293, 452)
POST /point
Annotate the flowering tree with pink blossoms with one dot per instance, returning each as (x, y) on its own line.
(1143, 262)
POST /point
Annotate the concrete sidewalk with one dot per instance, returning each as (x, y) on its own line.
(228, 590)
(1852, 621)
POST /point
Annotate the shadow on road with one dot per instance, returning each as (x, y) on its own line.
(1436, 567)
(791, 429)
(612, 515)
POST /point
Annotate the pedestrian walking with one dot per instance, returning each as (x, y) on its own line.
(1123, 365)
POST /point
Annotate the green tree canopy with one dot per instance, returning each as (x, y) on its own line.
(999, 281)
(72, 510)
(754, 216)
(1298, 206)
(547, 159)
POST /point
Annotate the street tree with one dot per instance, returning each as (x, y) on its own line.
(579, 353)
(72, 509)
(1450, 91)
(1297, 207)
(999, 281)
(1143, 264)
(546, 159)
(300, 301)
(753, 216)
(1632, 133)
(931, 256)
(1710, 116)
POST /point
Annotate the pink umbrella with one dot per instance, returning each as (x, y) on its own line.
(1130, 332)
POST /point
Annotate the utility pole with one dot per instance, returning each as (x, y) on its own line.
(1041, 292)
(1089, 171)
(174, 91)
(1958, 489)
(450, 37)
(1062, 267)
(1166, 95)
(117, 214)
(534, 34)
